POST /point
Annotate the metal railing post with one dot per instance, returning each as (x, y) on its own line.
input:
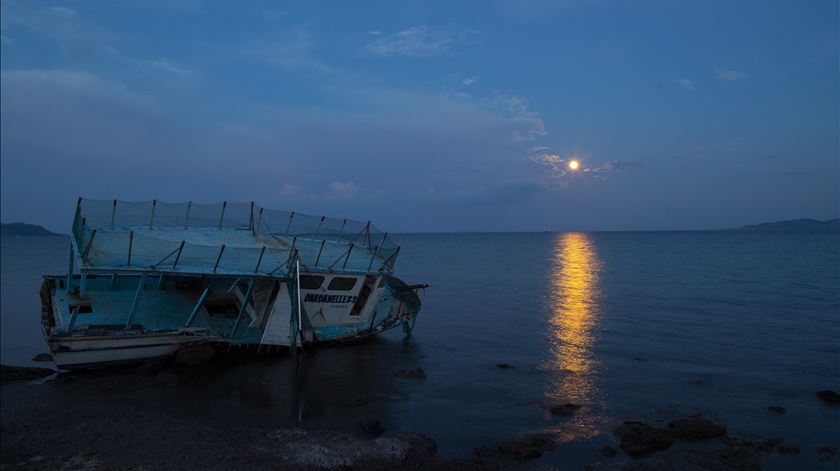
(113, 214)
(152, 219)
(187, 217)
(219, 258)
(222, 218)
(197, 307)
(242, 307)
(136, 298)
(130, 243)
(289, 225)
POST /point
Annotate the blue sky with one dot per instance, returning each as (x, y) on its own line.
(427, 116)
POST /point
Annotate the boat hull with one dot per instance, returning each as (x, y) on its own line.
(91, 352)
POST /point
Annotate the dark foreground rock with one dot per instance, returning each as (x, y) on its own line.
(608, 451)
(639, 438)
(414, 373)
(825, 454)
(694, 428)
(829, 396)
(42, 357)
(10, 374)
(371, 427)
(526, 448)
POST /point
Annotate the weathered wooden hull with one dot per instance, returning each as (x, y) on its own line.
(92, 352)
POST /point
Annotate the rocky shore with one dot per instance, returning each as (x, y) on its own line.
(103, 423)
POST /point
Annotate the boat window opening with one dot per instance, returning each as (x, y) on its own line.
(61, 284)
(81, 308)
(363, 296)
(341, 283)
(311, 281)
(222, 308)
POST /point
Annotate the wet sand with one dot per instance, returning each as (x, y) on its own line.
(120, 418)
(106, 420)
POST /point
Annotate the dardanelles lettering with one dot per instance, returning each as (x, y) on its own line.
(330, 298)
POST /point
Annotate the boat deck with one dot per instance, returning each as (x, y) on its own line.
(158, 309)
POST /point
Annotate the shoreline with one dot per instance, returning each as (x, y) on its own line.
(100, 421)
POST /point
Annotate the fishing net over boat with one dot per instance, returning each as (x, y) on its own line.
(223, 238)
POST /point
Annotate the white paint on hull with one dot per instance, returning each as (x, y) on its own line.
(92, 351)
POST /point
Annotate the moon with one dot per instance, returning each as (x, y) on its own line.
(574, 164)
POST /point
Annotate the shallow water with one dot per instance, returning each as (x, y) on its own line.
(630, 325)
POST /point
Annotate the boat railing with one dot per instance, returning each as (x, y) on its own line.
(207, 239)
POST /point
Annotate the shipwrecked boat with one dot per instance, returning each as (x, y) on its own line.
(157, 277)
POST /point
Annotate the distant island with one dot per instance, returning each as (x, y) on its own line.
(19, 229)
(795, 225)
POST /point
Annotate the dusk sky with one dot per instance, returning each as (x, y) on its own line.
(428, 116)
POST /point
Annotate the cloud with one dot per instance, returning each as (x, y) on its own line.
(529, 125)
(552, 160)
(169, 67)
(686, 84)
(417, 41)
(293, 52)
(614, 166)
(559, 170)
(469, 80)
(342, 190)
(74, 35)
(729, 74)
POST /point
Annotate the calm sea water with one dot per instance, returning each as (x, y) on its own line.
(630, 325)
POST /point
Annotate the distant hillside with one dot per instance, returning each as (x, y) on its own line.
(795, 225)
(21, 229)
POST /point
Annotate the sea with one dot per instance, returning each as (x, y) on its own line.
(628, 325)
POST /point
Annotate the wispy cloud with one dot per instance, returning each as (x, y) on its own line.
(417, 41)
(729, 74)
(529, 125)
(293, 52)
(686, 83)
(74, 35)
(169, 67)
(559, 171)
(342, 190)
(614, 166)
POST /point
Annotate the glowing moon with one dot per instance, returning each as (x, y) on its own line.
(574, 164)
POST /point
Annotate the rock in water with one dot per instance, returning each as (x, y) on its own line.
(639, 438)
(777, 409)
(695, 428)
(416, 373)
(829, 396)
(564, 409)
(788, 450)
(608, 451)
(371, 427)
(825, 454)
(42, 357)
(504, 366)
